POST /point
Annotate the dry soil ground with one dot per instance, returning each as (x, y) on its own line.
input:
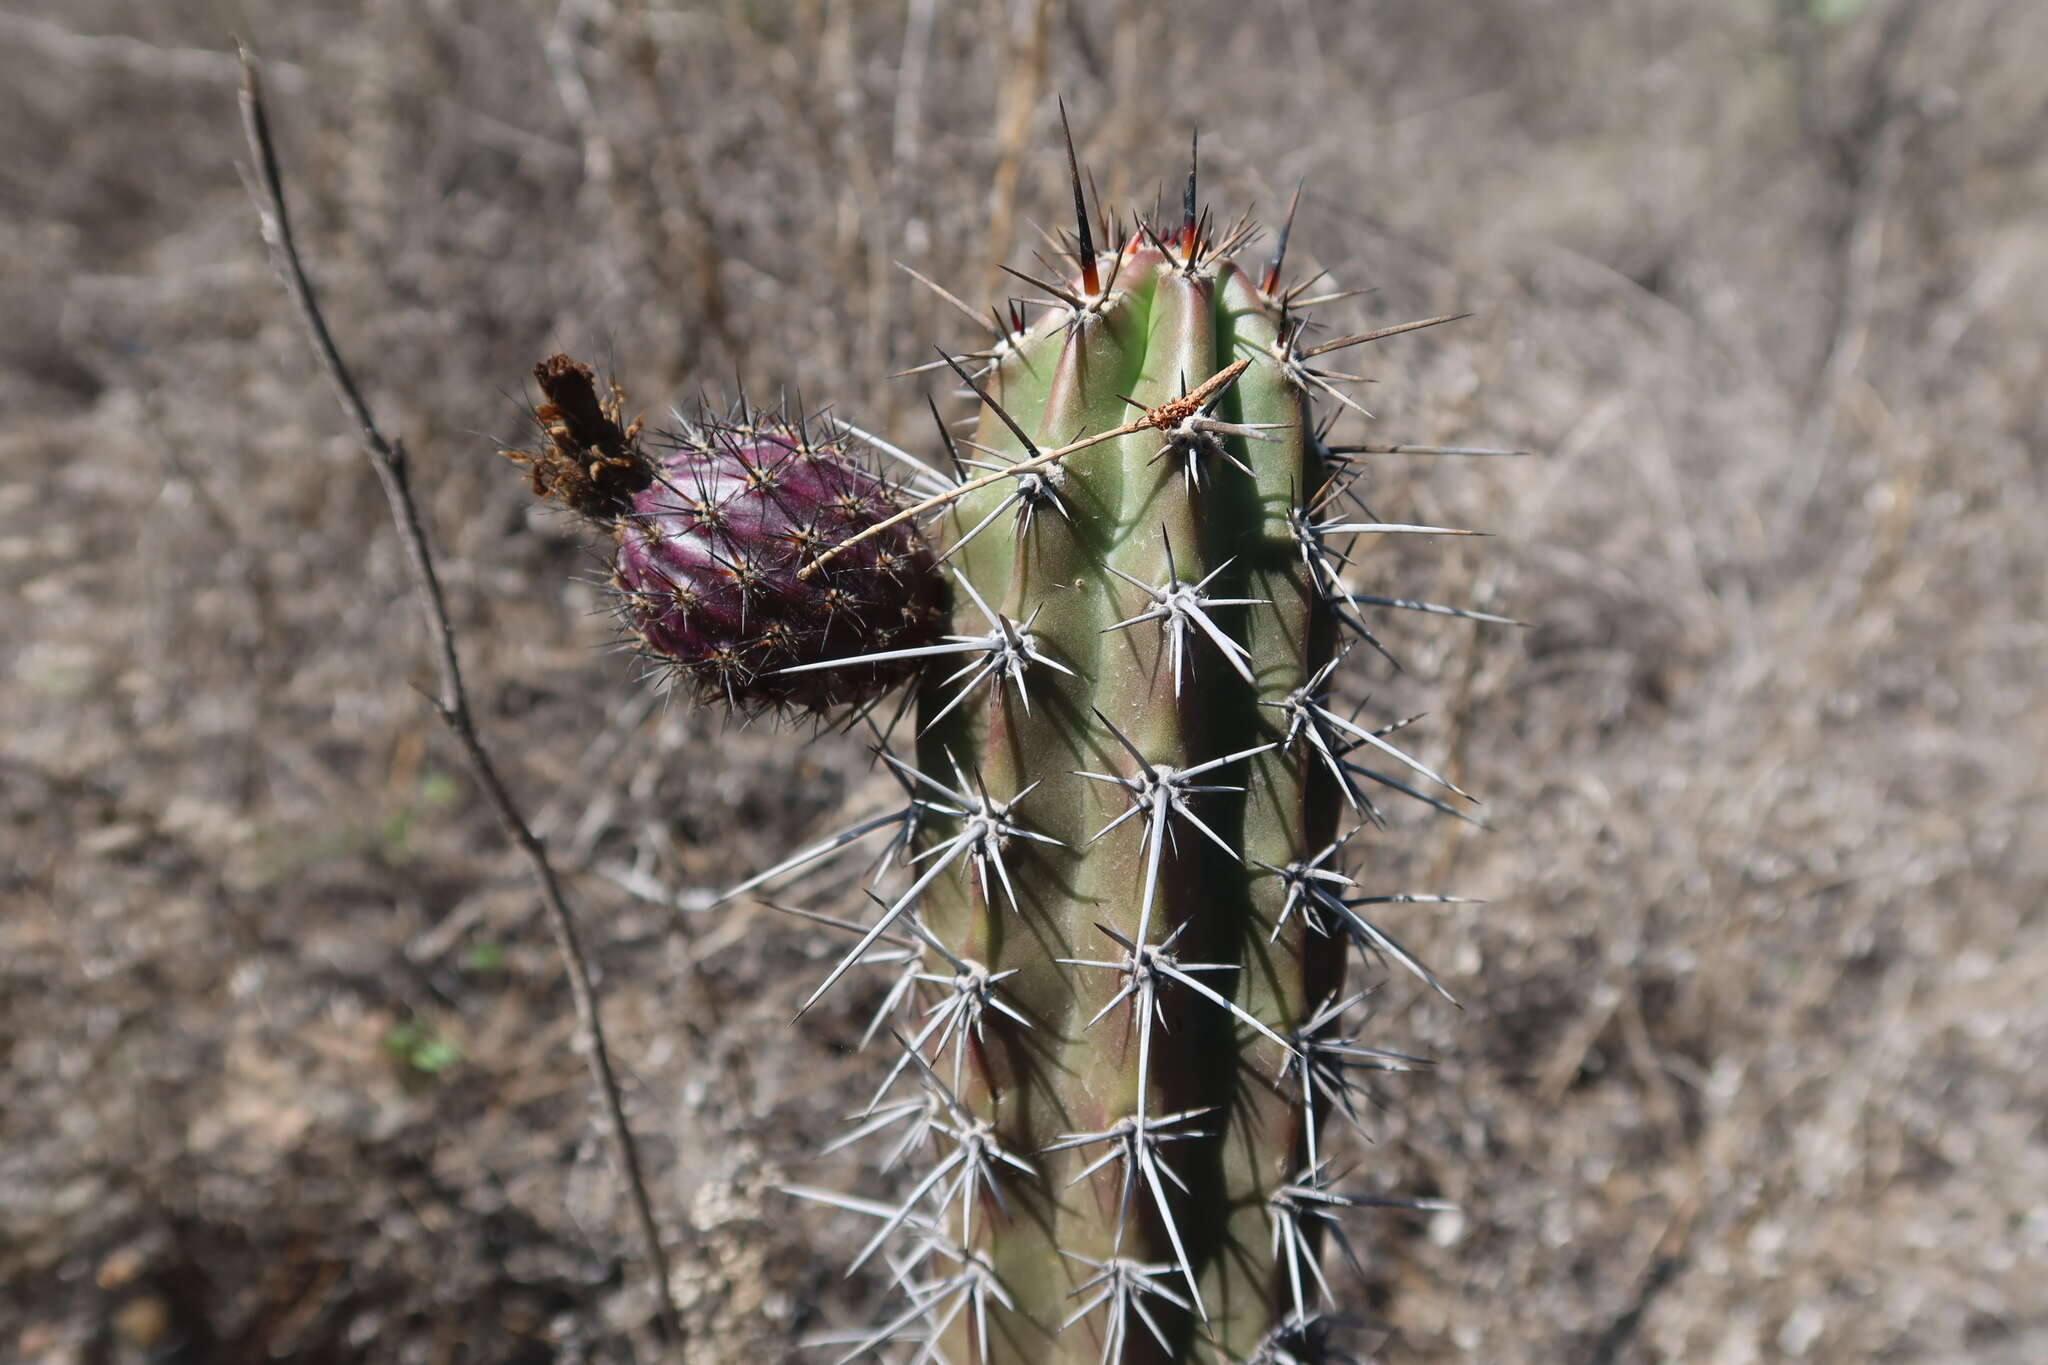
(1748, 1063)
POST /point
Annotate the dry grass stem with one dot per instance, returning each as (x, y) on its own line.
(388, 458)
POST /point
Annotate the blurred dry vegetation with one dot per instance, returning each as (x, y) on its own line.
(1747, 1068)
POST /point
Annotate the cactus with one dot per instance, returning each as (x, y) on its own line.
(1116, 912)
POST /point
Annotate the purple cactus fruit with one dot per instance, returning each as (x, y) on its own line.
(711, 552)
(715, 531)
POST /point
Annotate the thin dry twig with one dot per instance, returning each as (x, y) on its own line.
(388, 458)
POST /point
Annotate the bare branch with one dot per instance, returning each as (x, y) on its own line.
(388, 459)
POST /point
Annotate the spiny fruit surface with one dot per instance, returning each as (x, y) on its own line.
(710, 565)
(718, 534)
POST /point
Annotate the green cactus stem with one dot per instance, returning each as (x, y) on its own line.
(1145, 927)
(1121, 924)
